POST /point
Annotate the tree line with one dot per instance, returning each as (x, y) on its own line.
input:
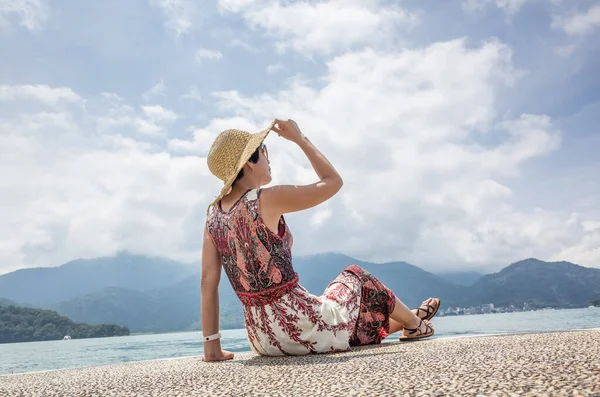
(22, 324)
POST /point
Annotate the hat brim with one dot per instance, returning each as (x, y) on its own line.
(253, 143)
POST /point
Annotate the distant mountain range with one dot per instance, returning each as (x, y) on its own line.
(83, 276)
(461, 278)
(158, 295)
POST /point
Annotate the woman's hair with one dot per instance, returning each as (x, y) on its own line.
(253, 158)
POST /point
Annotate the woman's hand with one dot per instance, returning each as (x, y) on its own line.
(288, 129)
(216, 354)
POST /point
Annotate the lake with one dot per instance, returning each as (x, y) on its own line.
(42, 356)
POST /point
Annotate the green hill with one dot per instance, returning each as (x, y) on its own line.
(22, 324)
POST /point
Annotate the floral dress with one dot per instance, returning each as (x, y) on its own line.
(281, 316)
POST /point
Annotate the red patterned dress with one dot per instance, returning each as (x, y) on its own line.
(282, 317)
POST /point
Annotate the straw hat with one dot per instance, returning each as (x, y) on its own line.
(230, 151)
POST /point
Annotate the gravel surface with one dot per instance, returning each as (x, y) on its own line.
(547, 364)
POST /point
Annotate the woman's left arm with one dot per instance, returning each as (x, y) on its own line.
(209, 300)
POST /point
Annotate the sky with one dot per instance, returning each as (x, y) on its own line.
(467, 132)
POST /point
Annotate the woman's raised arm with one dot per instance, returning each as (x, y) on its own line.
(282, 199)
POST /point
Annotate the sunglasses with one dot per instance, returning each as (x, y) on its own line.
(263, 147)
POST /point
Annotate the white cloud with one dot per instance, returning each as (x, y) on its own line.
(156, 90)
(275, 68)
(509, 6)
(320, 216)
(578, 24)
(566, 50)
(159, 113)
(587, 251)
(410, 132)
(74, 186)
(431, 151)
(43, 93)
(204, 53)
(203, 137)
(193, 94)
(154, 119)
(31, 13)
(151, 121)
(239, 5)
(323, 26)
(243, 44)
(147, 127)
(180, 14)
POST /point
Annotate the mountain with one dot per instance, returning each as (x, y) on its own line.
(410, 283)
(174, 308)
(543, 284)
(177, 307)
(185, 297)
(173, 303)
(461, 278)
(116, 305)
(40, 286)
(7, 302)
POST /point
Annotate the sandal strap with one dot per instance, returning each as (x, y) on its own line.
(422, 310)
(419, 333)
(418, 329)
(426, 310)
(427, 328)
(412, 330)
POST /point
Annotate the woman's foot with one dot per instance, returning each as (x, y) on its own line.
(423, 330)
(428, 309)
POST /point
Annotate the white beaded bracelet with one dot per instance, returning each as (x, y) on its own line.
(212, 337)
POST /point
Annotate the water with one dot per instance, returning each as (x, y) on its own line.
(42, 356)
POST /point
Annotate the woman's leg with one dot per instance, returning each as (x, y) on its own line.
(402, 317)
(395, 326)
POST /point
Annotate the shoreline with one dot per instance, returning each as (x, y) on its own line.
(391, 339)
(546, 363)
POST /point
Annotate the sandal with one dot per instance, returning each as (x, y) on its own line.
(429, 309)
(418, 334)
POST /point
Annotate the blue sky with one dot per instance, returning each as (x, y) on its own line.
(466, 132)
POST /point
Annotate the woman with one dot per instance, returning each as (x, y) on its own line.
(246, 234)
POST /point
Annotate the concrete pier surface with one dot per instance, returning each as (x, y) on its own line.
(545, 364)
